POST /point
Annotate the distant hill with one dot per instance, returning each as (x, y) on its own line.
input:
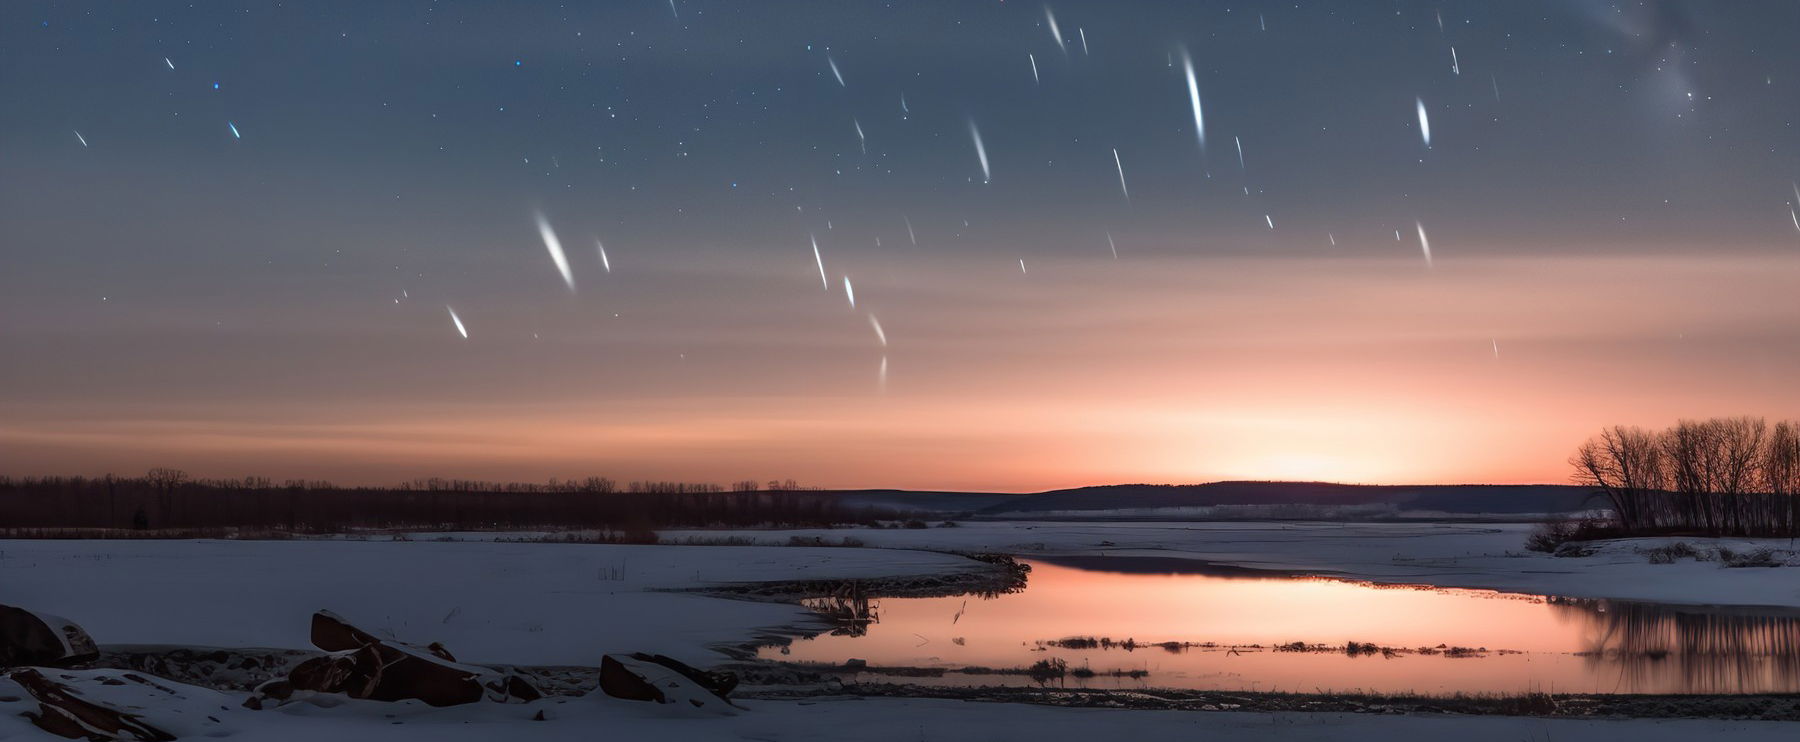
(1453, 498)
(1233, 500)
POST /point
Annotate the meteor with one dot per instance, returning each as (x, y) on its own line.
(80, 137)
(823, 282)
(1424, 122)
(1424, 244)
(834, 70)
(554, 245)
(604, 263)
(234, 131)
(458, 320)
(1194, 99)
(1121, 168)
(1054, 31)
(849, 292)
(980, 151)
(879, 334)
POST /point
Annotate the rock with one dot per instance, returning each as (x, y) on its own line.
(61, 713)
(361, 665)
(647, 677)
(32, 638)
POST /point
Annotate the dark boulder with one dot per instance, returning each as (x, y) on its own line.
(31, 638)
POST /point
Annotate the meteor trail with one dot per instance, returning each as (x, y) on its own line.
(860, 139)
(1110, 246)
(879, 334)
(554, 245)
(1034, 72)
(169, 63)
(1054, 31)
(1194, 99)
(849, 292)
(980, 151)
(823, 282)
(1424, 122)
(1121, 168)
(234, 131)
(1424, 244)
(909, 231)
(604, 263)
(458, 320)
(78, 136)
(834, 71)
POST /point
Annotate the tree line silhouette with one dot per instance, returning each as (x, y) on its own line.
(168, 499)
(1736, 476)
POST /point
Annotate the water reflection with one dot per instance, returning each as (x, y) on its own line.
(1172, 623)
(1694, 650)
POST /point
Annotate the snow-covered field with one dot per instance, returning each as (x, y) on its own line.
(538, 604)
(567, 604)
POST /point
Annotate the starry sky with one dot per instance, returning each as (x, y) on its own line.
(1403, 242)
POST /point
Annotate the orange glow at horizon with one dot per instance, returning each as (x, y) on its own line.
(1333, 370)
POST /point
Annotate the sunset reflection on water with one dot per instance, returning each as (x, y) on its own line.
(1238, 632)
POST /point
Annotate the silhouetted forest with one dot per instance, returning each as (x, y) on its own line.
(168, 500)
(1734, 476)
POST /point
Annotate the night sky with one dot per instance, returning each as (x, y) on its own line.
(232, 236)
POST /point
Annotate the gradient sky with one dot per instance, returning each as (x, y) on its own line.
(238, 261)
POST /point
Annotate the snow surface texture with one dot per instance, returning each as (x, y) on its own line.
(198, 713)
(511, 603)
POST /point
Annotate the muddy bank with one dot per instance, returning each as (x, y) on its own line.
(1760, 707)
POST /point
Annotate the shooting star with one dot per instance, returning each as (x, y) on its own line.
(604, 263)
(909, 232)
(1455, 66)
(1194, 99)
(823, 281)
(673, 11)
(1271, 222)
(1110, 246)
(169, 63)
(849, 292)
(980, 151)
(903, 108)
(458, 320)
(1021, 265)
(1083, 33)
(879, 333)
(834, 71)
(1424, 122)
(1054, 31)
(1331, 237)
(1240, 146)
(1121, 168)
(860, 139)
(234, 131)
(1496, 342)
(1034, 72)
(80, 138)
(1424, 244)
(554, 245)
